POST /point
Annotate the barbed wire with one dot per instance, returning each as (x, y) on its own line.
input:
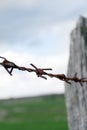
(40, 72)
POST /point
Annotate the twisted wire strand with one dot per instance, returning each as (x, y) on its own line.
(41, 72)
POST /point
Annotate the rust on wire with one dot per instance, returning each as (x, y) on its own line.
(41, 72)
(9, 66)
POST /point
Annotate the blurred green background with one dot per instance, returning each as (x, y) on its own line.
(38, 113)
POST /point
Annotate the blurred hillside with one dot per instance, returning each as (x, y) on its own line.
(36, 113)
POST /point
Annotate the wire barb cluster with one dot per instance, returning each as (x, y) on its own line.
(40, 72)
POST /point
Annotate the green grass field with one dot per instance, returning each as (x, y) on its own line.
(41, 113)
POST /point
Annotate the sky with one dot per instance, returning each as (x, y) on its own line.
(38, 32)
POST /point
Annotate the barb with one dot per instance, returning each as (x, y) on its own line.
(76, 79)
(3, 58)
(10, 65)
(40, 71)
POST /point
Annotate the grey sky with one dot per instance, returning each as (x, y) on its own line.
(20, 20)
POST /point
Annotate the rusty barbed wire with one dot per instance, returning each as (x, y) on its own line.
(9, 65)
(60, 77)
(40, 72)
(68, 79)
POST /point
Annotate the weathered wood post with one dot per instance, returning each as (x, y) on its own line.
(75, 94)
